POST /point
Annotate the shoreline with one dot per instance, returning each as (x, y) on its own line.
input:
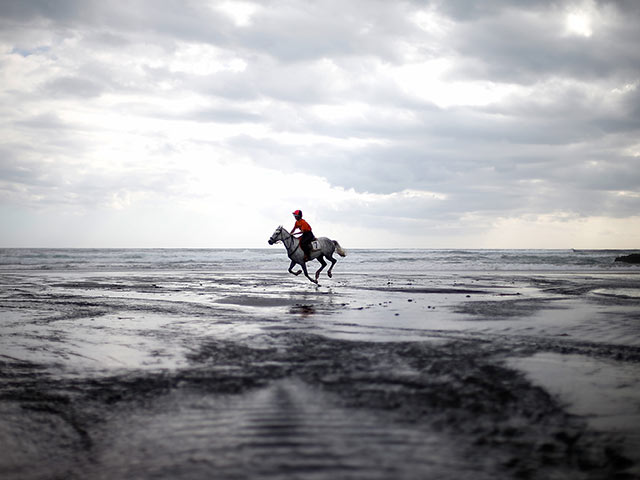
(619, 267)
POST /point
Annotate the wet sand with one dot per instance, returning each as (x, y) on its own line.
(189, 375)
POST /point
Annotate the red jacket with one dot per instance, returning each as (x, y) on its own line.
(302, 225)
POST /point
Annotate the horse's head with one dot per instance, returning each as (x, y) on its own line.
(277, 236)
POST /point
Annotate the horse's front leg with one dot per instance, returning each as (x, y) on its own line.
(291, 269)
(322, 265)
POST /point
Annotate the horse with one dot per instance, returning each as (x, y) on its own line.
(295, 253)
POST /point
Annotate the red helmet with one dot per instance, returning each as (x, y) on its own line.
(298, 212)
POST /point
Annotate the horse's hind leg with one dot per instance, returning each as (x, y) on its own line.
(333, 262)
(322, 265)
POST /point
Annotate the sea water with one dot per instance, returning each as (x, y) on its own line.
(275, 259)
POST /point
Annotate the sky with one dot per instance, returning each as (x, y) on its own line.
(390, 124)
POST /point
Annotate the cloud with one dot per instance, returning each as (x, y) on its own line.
(437, 120)
(73, 87)
(539, 45)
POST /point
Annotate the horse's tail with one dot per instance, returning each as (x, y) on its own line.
(341, 251)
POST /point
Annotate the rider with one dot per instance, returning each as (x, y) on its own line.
(307, 234)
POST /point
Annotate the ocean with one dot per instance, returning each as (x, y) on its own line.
(274, 259)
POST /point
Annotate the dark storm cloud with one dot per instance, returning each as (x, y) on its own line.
(23, 11)
(518, 47)
(469, 10)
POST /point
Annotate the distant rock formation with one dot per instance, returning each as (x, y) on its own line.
(633, 258)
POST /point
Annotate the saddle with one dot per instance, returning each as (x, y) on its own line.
(313, 244)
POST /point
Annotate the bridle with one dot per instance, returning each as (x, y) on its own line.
(292, 238)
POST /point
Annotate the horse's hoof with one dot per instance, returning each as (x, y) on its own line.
(329, 275)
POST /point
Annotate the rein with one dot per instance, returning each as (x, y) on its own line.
(293, 239)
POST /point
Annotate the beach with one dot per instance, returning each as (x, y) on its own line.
(196, 371)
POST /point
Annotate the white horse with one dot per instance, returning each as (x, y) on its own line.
(325, 248)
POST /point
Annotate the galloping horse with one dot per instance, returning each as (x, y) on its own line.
(326, 248)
